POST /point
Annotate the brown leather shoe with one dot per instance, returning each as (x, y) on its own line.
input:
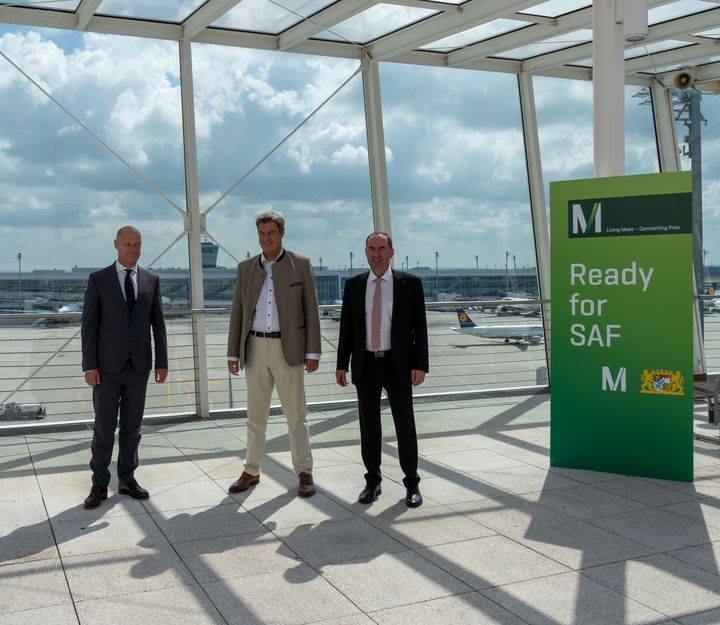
(97, 495)
(244, 482)
(306, 488)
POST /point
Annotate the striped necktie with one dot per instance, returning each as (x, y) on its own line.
(376, 317)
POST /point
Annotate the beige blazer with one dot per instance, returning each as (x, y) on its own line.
(297, 306)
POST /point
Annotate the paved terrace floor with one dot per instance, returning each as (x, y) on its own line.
(501, 537)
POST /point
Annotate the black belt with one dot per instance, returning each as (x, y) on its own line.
(266, 335)
(385, 354)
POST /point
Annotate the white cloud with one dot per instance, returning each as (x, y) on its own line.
(351, 155)
(437, 172)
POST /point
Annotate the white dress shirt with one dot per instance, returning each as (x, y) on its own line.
(387, 307)
(266, 317)
(121, 277)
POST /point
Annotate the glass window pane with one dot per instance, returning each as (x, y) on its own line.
(375, 22)
(269, 16)
(548, 45)
(166, 10)
(461, 215)
(59, 5)
(555, 8)
(681, 8)
(63, 194)
(474, 35)
(318, 179)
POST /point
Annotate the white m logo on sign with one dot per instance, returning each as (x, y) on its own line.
(580, 226)
(619, 381)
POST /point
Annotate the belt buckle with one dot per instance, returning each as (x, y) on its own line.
(379, 354)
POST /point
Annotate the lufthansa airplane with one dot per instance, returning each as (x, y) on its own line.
(518, 332)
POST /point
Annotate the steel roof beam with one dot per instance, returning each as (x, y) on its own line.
(322, 20)
(206, 15)
(85, 12)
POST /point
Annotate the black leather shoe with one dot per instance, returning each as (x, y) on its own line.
(97, 495)
(369, 493)
(134, 490)
(413, 498)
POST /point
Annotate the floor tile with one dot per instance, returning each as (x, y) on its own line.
(117, 573)
(475, 562)
(230, 557)
(36, 584)
(330, 542)
(392, 580)
(570, 599)
(464, 609)
(168, 606)
(662, 583)
(279, 598)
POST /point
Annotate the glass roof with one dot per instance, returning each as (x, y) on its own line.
(59, 5)
(677, 9)
(555, 8)
(474, 35)
(548, 45)
(171, 11)
(549, 38)
(269, 16)
(375, 22)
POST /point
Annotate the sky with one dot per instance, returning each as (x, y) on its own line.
(456, 164)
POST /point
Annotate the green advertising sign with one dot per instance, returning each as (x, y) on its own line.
(621, 325)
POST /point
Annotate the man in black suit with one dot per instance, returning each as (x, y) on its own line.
(384, 331)
(122, 305)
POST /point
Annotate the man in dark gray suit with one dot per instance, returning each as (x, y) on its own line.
(383, 332)
(122, 305)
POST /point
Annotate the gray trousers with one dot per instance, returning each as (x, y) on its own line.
(119, 395)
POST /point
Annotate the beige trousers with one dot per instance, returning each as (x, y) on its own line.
(265, 368)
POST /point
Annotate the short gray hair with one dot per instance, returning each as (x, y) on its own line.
(125, 229)
(273, 217)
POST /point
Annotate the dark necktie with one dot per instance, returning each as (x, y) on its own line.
(129, 291)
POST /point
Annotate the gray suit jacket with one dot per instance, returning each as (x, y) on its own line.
(109, 334)
(296, 302)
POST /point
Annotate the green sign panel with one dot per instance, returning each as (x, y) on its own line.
(621, 325)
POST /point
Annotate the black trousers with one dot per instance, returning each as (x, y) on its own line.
(378, 373)
(119, 395)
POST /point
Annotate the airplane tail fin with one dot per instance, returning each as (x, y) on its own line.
(464, 318)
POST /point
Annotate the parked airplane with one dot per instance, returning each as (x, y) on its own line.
(518, 306)
(520, 333)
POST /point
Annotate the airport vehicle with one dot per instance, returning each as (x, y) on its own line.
(518, 332)
(12, 411)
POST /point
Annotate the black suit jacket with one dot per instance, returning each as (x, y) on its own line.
(109, 333)
(408, 331)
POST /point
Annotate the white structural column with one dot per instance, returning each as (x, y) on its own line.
(608, 90)
(194, 226)
(376, 146)
(538, 208)
(665, 129)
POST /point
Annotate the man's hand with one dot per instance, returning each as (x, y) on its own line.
(92, 378)
(233, 366)
(311, 365)
(341, 377)
(417, 377)
(161, 375)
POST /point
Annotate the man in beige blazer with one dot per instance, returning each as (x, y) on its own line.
(275, 336)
